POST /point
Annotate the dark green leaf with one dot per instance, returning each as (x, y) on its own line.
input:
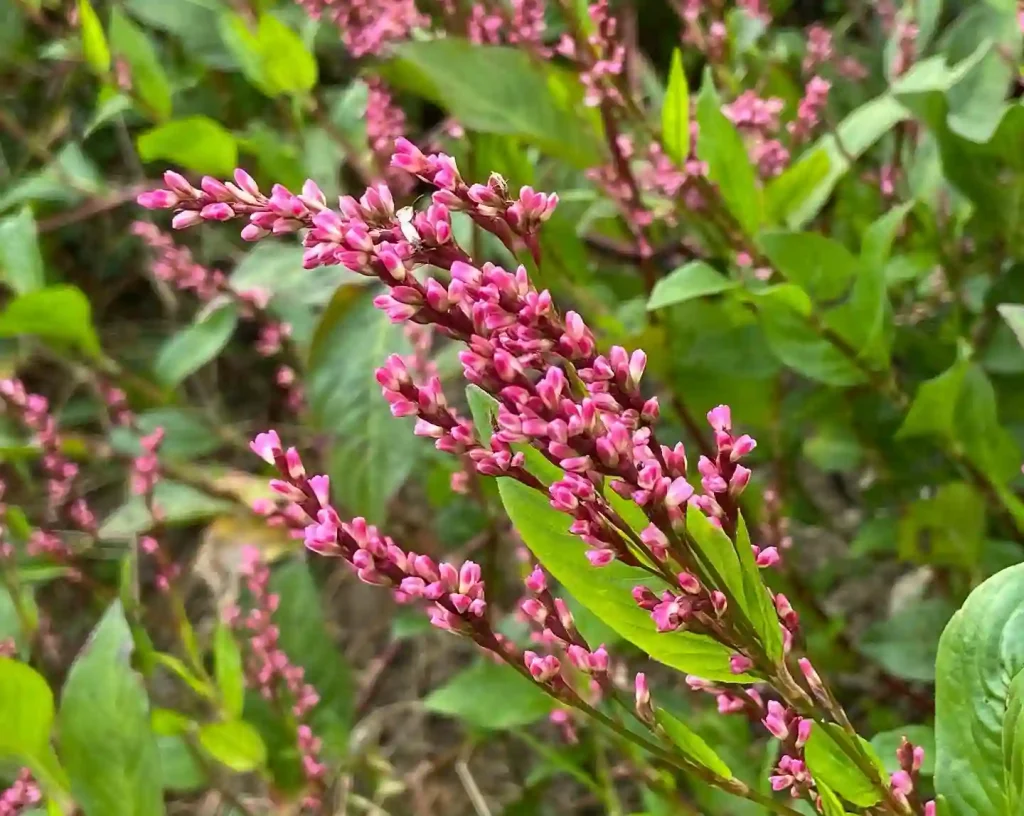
(675, 112)
(194, 346)
(691, 744)
(946, 529)
(21, 262)
(695, 279)
(959, 407)
(906, 644)
(103, 703)
(373, 453)
(57, 314)
(491, 696)
(227, 663)
(196, 142)
(1013, 314)
(722, 147)
(305, 640)
(978, 700)
(828, 762)
(234, 744)
(499, 90)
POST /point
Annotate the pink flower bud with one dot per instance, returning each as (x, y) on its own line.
(738, 664)
(536, 581)
(185, 219)
(267, 446)
(720, 418)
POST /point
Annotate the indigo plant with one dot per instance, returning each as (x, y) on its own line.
(709, 455)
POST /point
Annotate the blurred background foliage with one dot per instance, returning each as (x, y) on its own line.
(885, 385)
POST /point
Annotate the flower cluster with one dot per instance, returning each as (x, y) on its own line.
(554, 400)
(272, 673)
(367, 27)
(20, 796)
(175, 265)
(758, 120)
(809, 110)
(601, 59)
(64, 507)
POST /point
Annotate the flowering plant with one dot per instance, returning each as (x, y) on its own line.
(850, 279)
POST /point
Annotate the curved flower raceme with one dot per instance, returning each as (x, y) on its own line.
(557, 401)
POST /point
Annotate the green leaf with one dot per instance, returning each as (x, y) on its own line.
(21, 262)
(876, 243)
(273, 57)
(195, 142)
(760, 604)
(181, 771)
(1013, 314)
(886, 743)
(227, 664)
(500, 90)
(784, 311)
(26, 712)
(856, 133)
(94, 42)
(736, 567)
(149, 82)
(691, 744)
(181, 504)
(606, 591)
(304, 638)
(905, 645)
(187, 435)
(103, 704)
(695, 279)
(822, 267)
(947, 529)
(978, 700)
(675, 112)
(234, 744)
(373, 453)
(830, 804)
(959, 407)
(830, 764)
(722, 147)
(851, 303)
(194, 346)
(58, 314)
(785, 193)
(491, 696)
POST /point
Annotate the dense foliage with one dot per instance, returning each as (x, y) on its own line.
(689, 485)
